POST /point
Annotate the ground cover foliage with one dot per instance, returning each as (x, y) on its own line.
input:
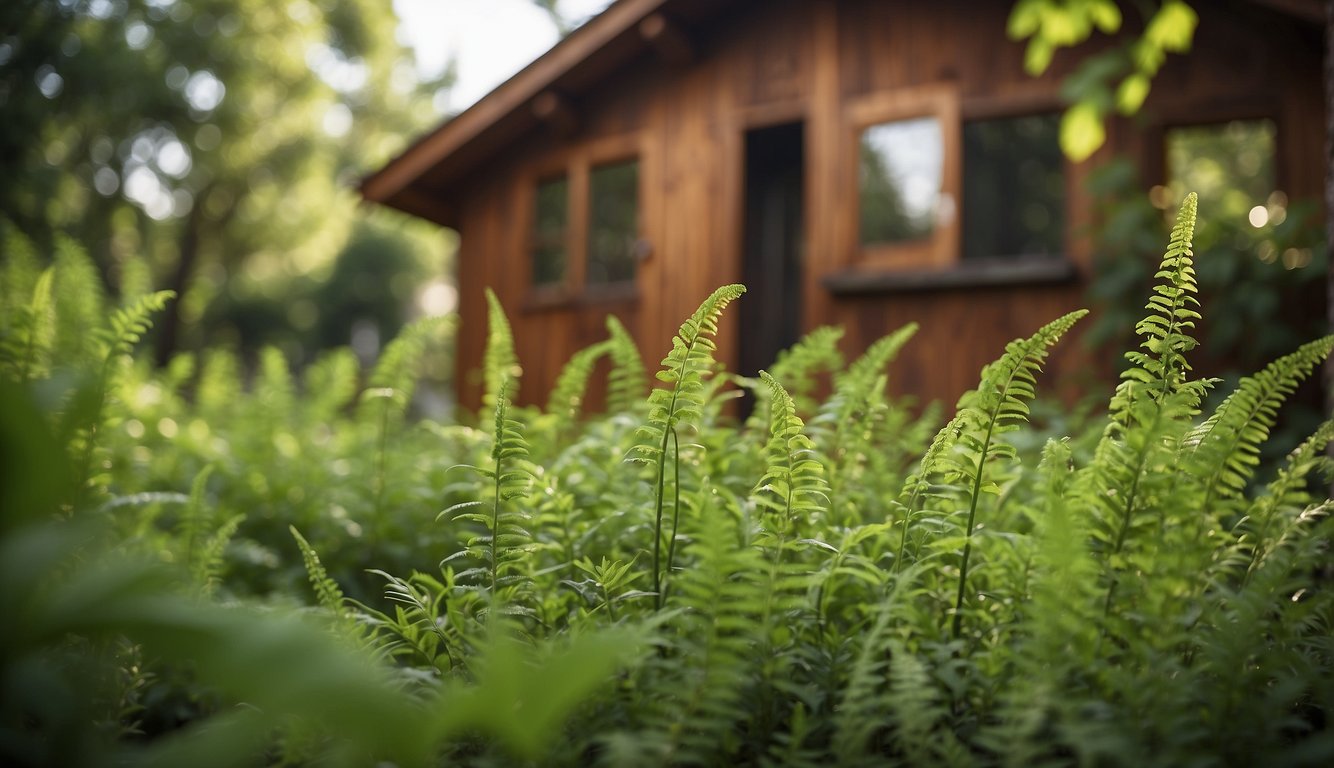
(200, 570)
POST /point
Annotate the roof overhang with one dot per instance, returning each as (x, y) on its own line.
(425, 179)
(422, 180)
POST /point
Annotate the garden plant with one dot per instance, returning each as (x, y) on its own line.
(201, 570)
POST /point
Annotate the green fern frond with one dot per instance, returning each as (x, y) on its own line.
(799, 366)
(699, 700)
(331, 382)
(1285, 497)
(1161, 369)
(934, 466)
(129, 323)
(681, 403)
(863, 379)
(79, 298)
(793, 486)
(998, 405)
(1226, 447)
(25, 347)
(502, 550)
(628, 382)
(500, 364)
(567, 397)
(394, 377)
(327, 592)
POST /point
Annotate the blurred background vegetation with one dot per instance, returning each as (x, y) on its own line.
(222, 141)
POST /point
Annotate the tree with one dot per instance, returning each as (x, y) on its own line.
(220, 138)
(1117, 80)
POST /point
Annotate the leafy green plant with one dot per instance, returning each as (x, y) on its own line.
(828, 583)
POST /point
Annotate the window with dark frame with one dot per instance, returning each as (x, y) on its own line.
(1013, 188)
(613, 223)
(551, 220)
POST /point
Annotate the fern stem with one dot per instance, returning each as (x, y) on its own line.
(676, 509)
(972, 507)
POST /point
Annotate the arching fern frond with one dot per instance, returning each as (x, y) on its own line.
(681, 402)
(1285, 497)
(998, 405)
(567, 397)
(327, 592)
(799, 366)
(500, 364)
(628, 382)
(394, 377)
(1226, 447)
(129, 323)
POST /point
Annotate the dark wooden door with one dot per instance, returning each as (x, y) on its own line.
(774, 226)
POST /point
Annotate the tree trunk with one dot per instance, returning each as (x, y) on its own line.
(169, 326)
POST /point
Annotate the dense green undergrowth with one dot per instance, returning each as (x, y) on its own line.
(834, 581)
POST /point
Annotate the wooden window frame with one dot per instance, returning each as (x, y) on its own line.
(576, 164)
(941, 248)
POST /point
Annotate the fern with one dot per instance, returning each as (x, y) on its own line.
(1226, 447)
(567, 397)
(798, 366)
(26, 345)
(394, 377)
(1286, 496)
(998, 406)
(1149, 412)
(628, 384)
(502, 549)
(500, 365)
(80, 297)
(793, 486)
(697, 704)
(1161, 370)
(684, 369)
(126, 327)
(327, 592)
(849, 425)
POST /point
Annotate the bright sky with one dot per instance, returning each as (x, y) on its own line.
(488, 39)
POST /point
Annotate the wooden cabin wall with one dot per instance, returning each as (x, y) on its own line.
(787, 60)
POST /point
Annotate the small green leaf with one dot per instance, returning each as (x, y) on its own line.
(1082, 132)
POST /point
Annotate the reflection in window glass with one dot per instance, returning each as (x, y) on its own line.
(613, 223)
(901, 175)
(1229, 165)
(552, 219)
(1013, 187)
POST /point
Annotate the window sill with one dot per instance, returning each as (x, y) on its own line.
(561, 297)
(961, 276)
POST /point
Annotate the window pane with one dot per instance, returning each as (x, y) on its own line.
(901, 175)
(1013, 187)
(613, 223)
(1229, 165)
(549, 226)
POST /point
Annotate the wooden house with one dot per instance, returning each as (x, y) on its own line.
(862, 163)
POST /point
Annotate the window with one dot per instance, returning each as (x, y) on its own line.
(550, 230)
(584, 235)
(901, 173)
(906, 172)
(613, 223)
(943, 202)
(1013, 188)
